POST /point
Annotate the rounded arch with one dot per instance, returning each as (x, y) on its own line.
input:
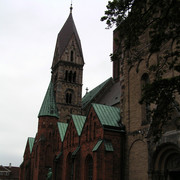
(69, 96)
(89, 167)
(138, 160)
(166, 162)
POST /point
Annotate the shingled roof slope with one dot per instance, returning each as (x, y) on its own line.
(64, 37)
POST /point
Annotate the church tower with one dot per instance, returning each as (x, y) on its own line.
(67, 70)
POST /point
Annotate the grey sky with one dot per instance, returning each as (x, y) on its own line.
(28, 32)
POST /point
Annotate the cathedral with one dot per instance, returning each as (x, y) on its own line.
(103, 135)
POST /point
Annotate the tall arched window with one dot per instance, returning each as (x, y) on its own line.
(72, 56)
(66, 76)
(70, 76)
(145, 107)
(89, 168)
(68, 98)
(69, 95)
(74, 77)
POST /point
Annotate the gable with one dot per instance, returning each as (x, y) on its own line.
(79, 123)
(62, 127)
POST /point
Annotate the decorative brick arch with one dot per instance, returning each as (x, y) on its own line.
(138, 160)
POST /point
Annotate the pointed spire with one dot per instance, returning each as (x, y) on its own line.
(48, 107)
(64, 37)
(71, 8)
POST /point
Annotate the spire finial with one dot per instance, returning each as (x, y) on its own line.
(71, 7)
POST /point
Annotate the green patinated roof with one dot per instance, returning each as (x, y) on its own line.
(62, 129)
(107, 144)
(48, 107)
(97, 145)
(91, 94)
(31, 143)
(79, 122)
(107, 115)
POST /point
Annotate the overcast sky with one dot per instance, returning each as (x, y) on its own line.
(28, 32)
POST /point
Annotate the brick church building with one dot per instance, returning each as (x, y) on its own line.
(103, 135)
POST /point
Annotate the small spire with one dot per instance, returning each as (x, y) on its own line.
(71, 7)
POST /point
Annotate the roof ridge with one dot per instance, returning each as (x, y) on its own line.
(91, 94)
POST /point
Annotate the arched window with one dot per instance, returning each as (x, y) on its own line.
(72, 56)
(70, 98)
(89, 168)
(66, 76)
(145, 107)
(74, 77)
(67, 98)
(70, 76)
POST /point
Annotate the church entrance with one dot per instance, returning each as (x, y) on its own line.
(166, 162)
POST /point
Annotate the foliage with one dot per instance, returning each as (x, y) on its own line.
(160, 18)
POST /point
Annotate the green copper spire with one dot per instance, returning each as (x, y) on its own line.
(48, 107)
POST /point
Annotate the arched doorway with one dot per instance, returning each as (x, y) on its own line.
(166, 162)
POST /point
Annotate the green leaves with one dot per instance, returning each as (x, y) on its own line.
(159, 20)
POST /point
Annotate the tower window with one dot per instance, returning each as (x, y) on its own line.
(68, 98)
(66, 75)
(74, 77)
(72, 56)
(70, 76)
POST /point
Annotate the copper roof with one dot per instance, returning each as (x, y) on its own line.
(107, 115)
(78, 122)
(88, 97)
(48, 107)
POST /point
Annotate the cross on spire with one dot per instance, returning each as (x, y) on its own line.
(71, 7)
